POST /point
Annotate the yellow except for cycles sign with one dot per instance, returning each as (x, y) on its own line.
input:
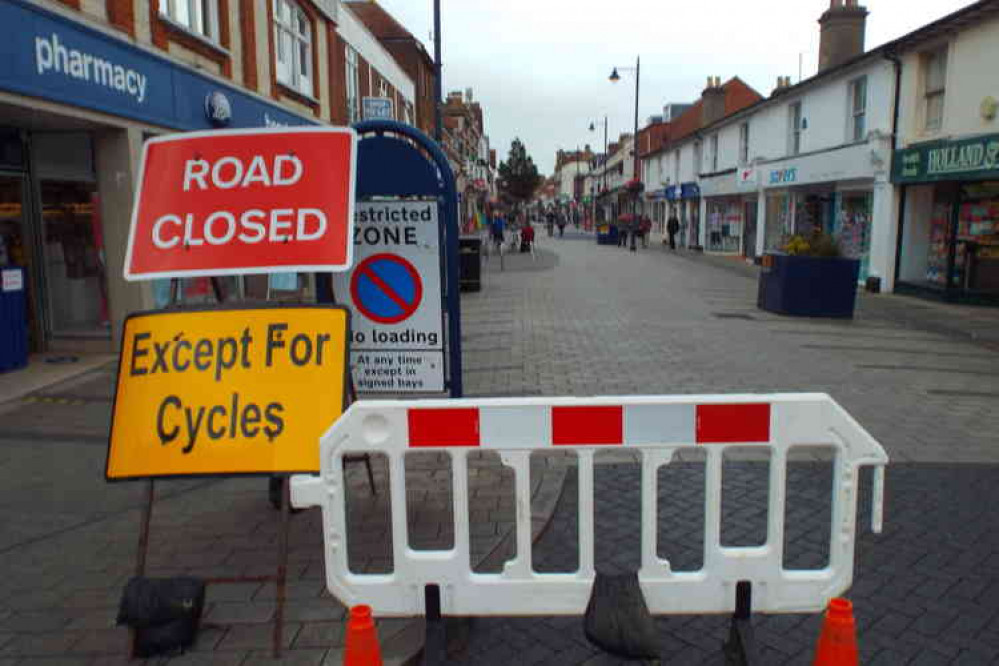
(244, 391)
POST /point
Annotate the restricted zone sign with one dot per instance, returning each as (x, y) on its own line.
(395, 295)
(239, 391)
(244, 201)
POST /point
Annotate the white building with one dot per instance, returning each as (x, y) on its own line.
(947, 166)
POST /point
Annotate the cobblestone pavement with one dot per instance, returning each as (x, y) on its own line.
(575, 319)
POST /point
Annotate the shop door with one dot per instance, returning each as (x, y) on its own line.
(15, 247)
(73, 252)
(749, 237)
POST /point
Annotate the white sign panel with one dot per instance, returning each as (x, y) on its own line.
(13, 280)
(394, 292)
(377, 108)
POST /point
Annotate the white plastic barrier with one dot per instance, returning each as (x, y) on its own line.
(656, 427)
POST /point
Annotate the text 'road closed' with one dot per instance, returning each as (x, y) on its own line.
(227, 392)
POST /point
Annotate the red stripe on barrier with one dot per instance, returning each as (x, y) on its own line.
(587, 426)
(719, 424)
(443, 427)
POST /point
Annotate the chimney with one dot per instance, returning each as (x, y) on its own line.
(712, 101)
(782, 83)
(841, 33)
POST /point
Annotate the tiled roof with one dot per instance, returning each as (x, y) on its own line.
(738, 96)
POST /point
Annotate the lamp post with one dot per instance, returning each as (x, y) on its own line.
(603, 166)
(614, 78)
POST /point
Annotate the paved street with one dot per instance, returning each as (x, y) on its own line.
(577, 319)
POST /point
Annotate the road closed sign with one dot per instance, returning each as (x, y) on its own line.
(244, 201)
(241, 391)
(394, 292)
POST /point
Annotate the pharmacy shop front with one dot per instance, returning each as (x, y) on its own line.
(76, 104)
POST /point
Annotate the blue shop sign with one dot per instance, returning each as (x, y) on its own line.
(690, 190)
(55, 58)
(781, 176)
(673, 192)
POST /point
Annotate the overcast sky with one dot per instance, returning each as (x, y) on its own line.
(539, 67)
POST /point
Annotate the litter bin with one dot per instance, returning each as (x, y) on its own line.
(470, 268)
(13, 319)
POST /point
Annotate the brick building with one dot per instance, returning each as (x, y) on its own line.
(467, 147)
(87, 81)
(407, 50)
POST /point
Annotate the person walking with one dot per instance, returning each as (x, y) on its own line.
(561, 223)
(672, 227)
(550, 222)
(645, 229)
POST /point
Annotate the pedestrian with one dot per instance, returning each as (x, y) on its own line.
(561, 224)
(526, 238)
(496, 228)
(644, 229)
(672, 227)
(550, 222)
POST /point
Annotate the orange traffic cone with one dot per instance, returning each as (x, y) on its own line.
(838, 640)
(362, 640)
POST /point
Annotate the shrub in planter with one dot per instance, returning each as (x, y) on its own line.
(809, 278)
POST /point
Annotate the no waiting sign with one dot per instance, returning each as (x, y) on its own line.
(244, 201)
(395, 295)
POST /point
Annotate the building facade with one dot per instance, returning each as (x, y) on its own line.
(946, 168)
(93, 79)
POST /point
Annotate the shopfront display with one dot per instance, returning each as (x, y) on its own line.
(780, 217)
(852, 228)
(725, 225)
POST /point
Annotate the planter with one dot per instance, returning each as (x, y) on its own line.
(808, 286)
(607, 234)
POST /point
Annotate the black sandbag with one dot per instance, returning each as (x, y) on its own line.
(164, 612)
(617, 619)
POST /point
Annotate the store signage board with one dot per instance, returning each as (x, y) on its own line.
(224, 392)
(377, 108)
(976, 158)
(13, 280)
(232, 202)
(394, 291)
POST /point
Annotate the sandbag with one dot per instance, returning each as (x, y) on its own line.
(617, 620)
(164, 612)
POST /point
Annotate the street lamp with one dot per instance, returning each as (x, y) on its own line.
(604, 165)
(614, 78)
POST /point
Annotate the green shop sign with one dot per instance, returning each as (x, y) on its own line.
(948, 160)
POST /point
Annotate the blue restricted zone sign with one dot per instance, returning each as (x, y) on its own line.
(386, 288)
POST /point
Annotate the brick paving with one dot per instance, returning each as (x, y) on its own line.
(576, 319)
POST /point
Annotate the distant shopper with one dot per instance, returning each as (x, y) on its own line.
(526, 238)
(561, 224)
(645, 228)
(672, 228)
(550, 222)
(497, 226)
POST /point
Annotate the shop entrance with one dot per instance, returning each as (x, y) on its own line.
(749, 237)
(16, 244)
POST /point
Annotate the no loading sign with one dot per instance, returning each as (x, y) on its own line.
(386, 288)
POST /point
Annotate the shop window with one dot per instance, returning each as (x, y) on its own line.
(198, 16)
(934, 85)
(744, 143)
(353, 85)
(293, 46)
(858, 109)
(794, 128)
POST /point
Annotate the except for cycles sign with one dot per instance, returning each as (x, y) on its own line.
(241, 391)
(244, 201)
(397, 339)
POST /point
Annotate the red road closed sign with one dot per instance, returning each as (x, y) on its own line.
(244, 201)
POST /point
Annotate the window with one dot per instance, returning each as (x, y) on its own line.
(383, 88)
(935, 78)
(858, 109)
(714, 152)
(744, 143)
(676, 166)
(698, 158)
(353, 85)
(794, 128)
(293, 46)
(199, 16)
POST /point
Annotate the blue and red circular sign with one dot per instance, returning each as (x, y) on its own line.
(386, 288)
